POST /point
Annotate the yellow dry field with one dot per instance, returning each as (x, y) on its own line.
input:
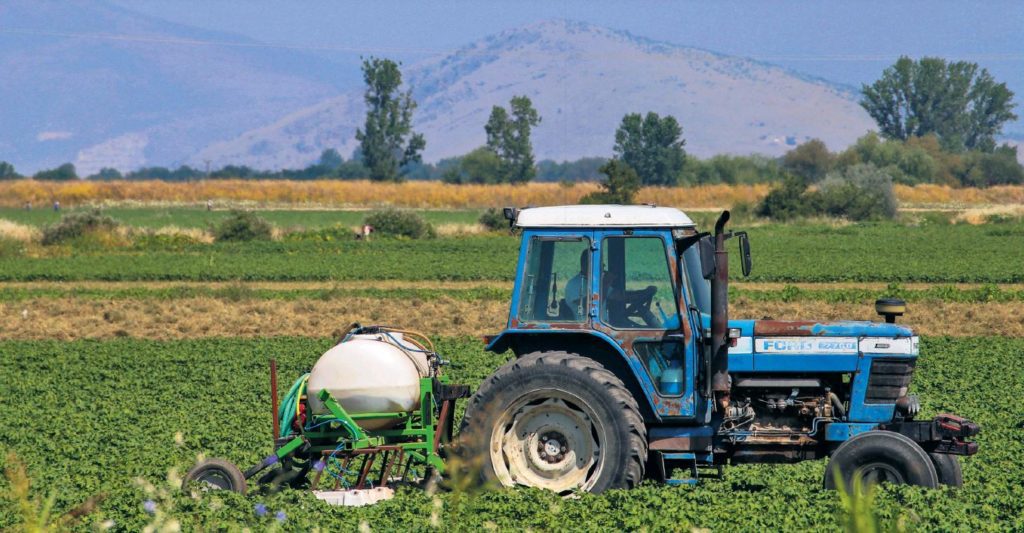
(421, 194)
(416, 194)
(80, 318)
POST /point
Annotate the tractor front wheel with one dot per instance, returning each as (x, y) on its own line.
(880, 457)
(557, 421)
(948, 468)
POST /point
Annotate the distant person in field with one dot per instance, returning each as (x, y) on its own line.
(209, 205)
(56, 205)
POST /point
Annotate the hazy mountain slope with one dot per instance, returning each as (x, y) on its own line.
(582, 79)
(155, 97)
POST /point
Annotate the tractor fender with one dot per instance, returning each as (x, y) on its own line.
(588, 343)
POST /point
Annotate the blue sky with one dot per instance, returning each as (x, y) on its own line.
(845, 42)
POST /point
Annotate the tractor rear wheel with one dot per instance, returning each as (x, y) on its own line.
(880, 457)
(216, 474)
(948, 469)
(558, 421)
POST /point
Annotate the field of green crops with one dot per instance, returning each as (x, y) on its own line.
(197, 217)
(116, 419)
(90, 418)
(937, 253)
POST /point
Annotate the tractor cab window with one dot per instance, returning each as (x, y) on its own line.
(636, 284)
(700, 288)
(556, 281)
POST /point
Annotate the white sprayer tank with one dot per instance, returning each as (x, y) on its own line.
(369, 373)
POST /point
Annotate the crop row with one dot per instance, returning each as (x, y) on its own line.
(782, 253)
(90, 417)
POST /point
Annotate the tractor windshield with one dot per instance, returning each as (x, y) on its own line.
(700, 288)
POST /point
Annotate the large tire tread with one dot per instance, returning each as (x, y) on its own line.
(633, 473)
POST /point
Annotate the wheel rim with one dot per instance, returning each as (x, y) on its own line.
(876, 473)
(548, 439)
(215, 480)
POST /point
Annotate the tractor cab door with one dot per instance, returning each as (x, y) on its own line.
(635, 300)
(553, 288)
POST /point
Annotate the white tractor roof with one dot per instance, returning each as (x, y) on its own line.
(622, 216)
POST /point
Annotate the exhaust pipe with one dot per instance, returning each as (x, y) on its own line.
(720, 316)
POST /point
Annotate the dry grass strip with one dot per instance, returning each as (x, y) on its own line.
(262, 285)
(74, 318)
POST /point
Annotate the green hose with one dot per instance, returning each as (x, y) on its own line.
(290, 405)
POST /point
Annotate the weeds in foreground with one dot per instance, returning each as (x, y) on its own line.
(36, 513)
(859, 514)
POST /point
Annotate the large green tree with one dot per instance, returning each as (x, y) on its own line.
(960, 104)
(652, 146)
(387, 140)
(508, 136)
(7, 171)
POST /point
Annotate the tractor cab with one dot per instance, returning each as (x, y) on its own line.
(631, 276)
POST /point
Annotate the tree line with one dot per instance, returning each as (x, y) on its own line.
(937, 123)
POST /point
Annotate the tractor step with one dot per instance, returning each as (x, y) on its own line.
(690, 462)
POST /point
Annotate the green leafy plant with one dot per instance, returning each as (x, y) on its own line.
(196, 391)
(37, 514)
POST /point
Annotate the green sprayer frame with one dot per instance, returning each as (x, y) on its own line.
(335, 439)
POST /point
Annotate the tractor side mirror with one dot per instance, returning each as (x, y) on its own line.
(707, 257)
(744, 252)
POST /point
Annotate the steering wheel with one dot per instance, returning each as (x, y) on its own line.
(642, 301)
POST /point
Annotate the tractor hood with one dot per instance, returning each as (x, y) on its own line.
(784, 346)
(845, 328)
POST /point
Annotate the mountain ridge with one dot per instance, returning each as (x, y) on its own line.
(100, 85)
(455, 93)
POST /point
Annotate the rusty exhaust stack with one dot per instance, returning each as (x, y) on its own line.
(720, 316)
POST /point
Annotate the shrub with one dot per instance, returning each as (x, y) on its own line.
(620, 188)
(860, 192)
(393, 222)
(493, 219)
(787, 201)
(243, 226)
(811, 160)
(997, 168)
(77, 225)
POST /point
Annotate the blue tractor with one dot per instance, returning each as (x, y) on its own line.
(627, 366)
